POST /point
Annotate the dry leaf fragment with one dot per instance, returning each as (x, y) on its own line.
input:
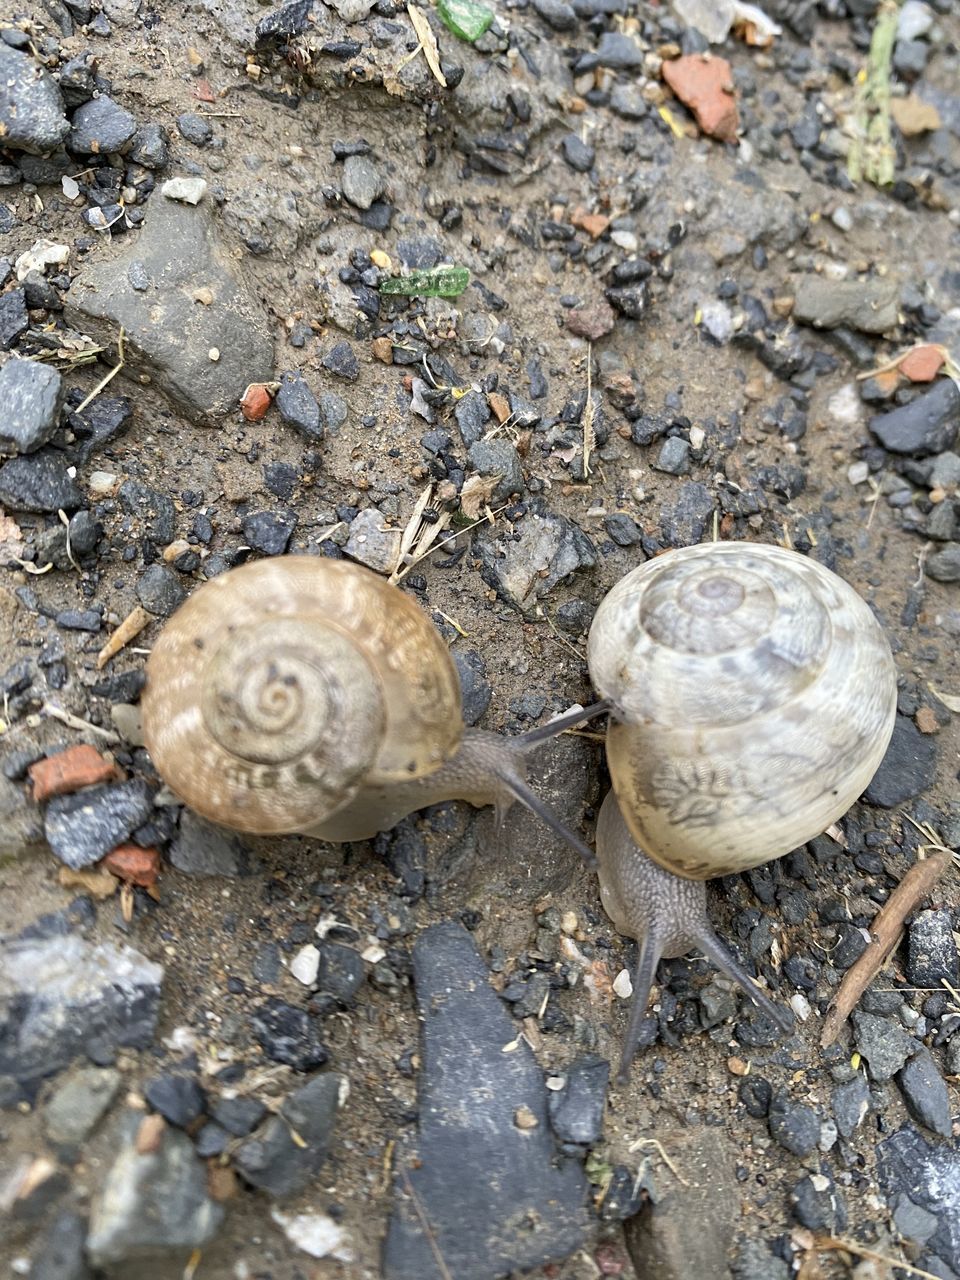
(98, 882)
(429, 41)
(950, 700)
(131, 626)
(913, 116)
(476, 493)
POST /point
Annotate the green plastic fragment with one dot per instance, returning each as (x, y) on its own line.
(465, 18)
(438, 282)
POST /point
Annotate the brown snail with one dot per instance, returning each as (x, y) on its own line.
(754, 696)
(301, 694)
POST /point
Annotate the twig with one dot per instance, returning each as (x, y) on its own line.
(399, 575)
(885, 933)
(659, 1148)
(75, 722)
(427, 1229)
(589, 439)
(107, 378)
(861, 1251)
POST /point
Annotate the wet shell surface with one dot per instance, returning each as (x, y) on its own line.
(755, 696)
(283, 687)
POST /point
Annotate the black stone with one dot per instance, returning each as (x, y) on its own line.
(851, 1102)
(14, 320)
(288, 1035)
(578, 154)
(576, 1111)
(932, 951)
(194, 128)
(622, 529)
(81, 829)
(154, 511)
(239, 1115)
(298, 406)
(179, 1099)
(280, 1164)
(794, 1125)
(819, 1207)
(755, 1093)
(341, 973)
(925, 1093)
(39, 482)
(269, 531)
(342, 361)
(908, 768)
(924, 426)
(160, 590)
(475, 690)
(927, 1172)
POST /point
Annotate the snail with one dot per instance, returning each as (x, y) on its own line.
(753, 696)
(298, 694)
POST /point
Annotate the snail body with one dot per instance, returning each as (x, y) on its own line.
(300, 694)
(754, 696)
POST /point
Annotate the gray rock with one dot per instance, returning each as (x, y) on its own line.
(925, 1093)
(908, 768)
(362, 181)
(472, 414)
(151, 147)
(622, 529)
(298, 406)
(576, 1110)
(153, 1203)
(557, 14)
(373, 542)
(79, 1105)
(945, 473)
(498, 458)
(550, 548)
(578, 154)
(883, 1042)
(932, 951)
(238, 1116)
(684, 522)
(60, 1253)
(674, 456)
(269, 532)
(925, 425)
(619, 52)
(155, 512)
(912, 1222)
(340, 974)
(333, 410)
(818, 1205)
(277, 1164)
(33, 395)
(929, 1173)
(31, 105)
(202, 849)
(754, 1261)
(342, 361)
(59, 994)
(867, 305)
(944, 566)
(39, 482)
(475, 689)
(161, 590)
(14, 320)
(101, 127)
(194, 128)
(81, 829)
(793, 1124)
(943, 522)
(910, 58)
(628, 102)
(471, 1098)
(718, 1003)
(168, 336)
(851, 1102)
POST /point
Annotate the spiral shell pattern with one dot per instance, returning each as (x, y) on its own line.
(755, 697)
(281, 689)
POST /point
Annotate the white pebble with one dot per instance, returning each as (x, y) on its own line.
(800, 1006)
(845, 406)
(842, 218)
(915, 20)
(315, 1234)
(625, 240)
(858, 472)
(186, 190)
(622, 986)
(305, 964)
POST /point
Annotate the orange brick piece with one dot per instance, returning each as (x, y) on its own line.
(705, 85)
(69, 770)
(130, 863)
(922, 364)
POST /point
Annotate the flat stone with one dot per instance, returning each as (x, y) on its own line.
(38, 482)
(33, 395)
(153, 1203)
(362, 181)
(169, 335)
(869, 306)
(476, 691)
(556, 14)
(932, 951)
(298, 406)
(576, 1110)
(674, 456)
(794, 1125)
(925, 1093)
(178, 1098)
(79, 1105)
(269, 532)
(187, 191)
(341, 360)
(592, 322)
(926, 425)
(14, 320)
(238, 1116)
(619, 52)
(550, 548)
(908, 768)
(373, 542)
(818, 1205)
(578, 154)
(276, 1163)
(472, 1095)
(202, 849)
(912, 1222)
(59, 994)
(473, 416)
(101, 127)
(83, 828)
(883, 1042)
(498, 458)
(31, 105)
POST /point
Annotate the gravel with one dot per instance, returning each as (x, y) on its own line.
(908, 768)
(161, 590)
(298, 406)
(932, 950)
(927, 425)
(883, 1042)
(101, 126)
(276, 1161)
(925, 1093)
(31, 105)
(794, 1125)
(83, 828)
(33, 396)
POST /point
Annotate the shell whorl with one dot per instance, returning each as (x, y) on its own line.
(281, 689)
(755, 697)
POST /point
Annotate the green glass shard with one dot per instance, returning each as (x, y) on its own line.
(465, 18)
(438, 282)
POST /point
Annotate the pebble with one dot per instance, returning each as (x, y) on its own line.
(472, 414)
(60, 1250)
(756, 1095)
(61, 995)
(578, 154)
(716, 320)
(178, 1098)
(869, 306)
(476, 690)
(932, 951)
(239, 1116)
(619, 52)
(151, 147)
(945, 473)
(85, 532)
(754, 1261)
(269, 531)
(576, 1110)
(187, 191)
(78, 1106)
(468, 1102)
(910, 58)
(31, 105)
(912, 1222)
(14, 320)
(152, 1202)
(929, 1174)
(288, 1035)
(926, 425)
(373, 542)
(925, 1093)
(342, 361)
(556, 14)
(39, 482)
(591, 322)
(202, 849)
(362, 181)
(794, 1125)
(101, 127)
(622, 529)
(674, 456)
(276, 1163)
(194, 128)
(851, 1102)
(908, 768)
(818, 1205)
(498, 458)
(549, 549)
(883, 1042)
(944, 565)
(83, 828)
(160, 589)
(33, 395)
(298, 406)
(154, 511)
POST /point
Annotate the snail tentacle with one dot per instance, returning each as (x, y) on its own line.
(649, 954)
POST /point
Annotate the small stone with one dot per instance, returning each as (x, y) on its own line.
(81, 829)
(342, 361)
(576, 1111)
(372, 542)
(333, 411)
(674, 456)
(851, 1102)
(922, 364)
(578, 154)
(912, 1222)
(883, 1042)
(277, 1163)
(926, 425)
(194, 128)
(38, 482)
(298, 406)
(622, 529)
(101, 127)
(476, 691)
(362, 181)
(305, 964)
(592, 322)
(78, 1106)
(705, 85)
(202, 849)
(14, 320)
(154, 511)
(33, 395)
(907, 769)
(473, 416)
(186, 190)
(85, 531)
(818, 1205)
(619, 52)
(340, 974)
(869, 306)
(932, 952)
(498, 458)
(60, 1251)
(179, 1099)
(628, 102)
(944, 566)
(269, 531)
(718, 1003)
(160, 590)
(150, 147)
(946, 472)
(556, 14)
(210, 1141)
(69, 770)
(794, 1125)
(31, 105)
(239, 1115)
(925, 1093)
(288, 1035)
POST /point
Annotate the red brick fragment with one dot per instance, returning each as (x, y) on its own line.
(922, 364)
(705, 85)
(68, 771)
(133, 865)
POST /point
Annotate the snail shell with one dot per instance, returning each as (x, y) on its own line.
(754, 696)
(282, 688)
